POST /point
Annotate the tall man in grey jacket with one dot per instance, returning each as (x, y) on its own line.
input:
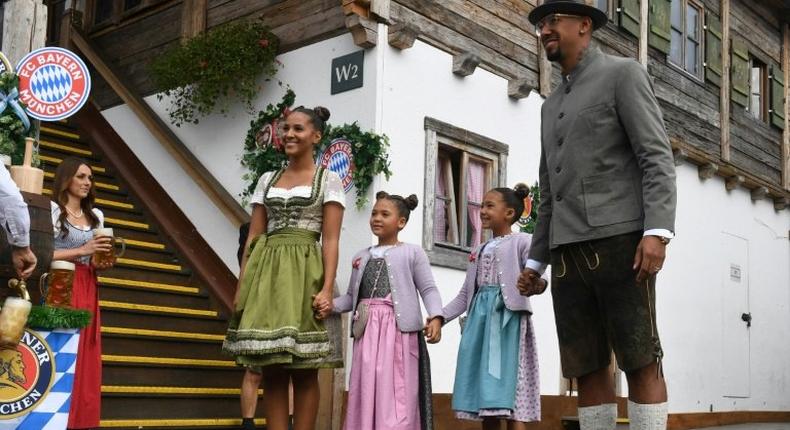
(607, 212)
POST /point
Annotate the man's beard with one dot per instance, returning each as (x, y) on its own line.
(555, 55)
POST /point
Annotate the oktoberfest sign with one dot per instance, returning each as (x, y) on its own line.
(337, 158)
(54, 83)
(27, 374)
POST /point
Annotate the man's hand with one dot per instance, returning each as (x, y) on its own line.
(24, 262)
(530, 283)
(649, 258)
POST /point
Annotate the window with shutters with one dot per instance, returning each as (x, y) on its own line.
(607, 6)
(685, 49)
(460, 167)
(104, 13)
(758, 81)
(777, 96)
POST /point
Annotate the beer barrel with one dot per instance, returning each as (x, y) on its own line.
(41, 242)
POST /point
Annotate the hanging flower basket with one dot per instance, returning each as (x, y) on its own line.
(211, 70)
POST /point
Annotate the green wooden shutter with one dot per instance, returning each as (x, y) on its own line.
(777, 97)
(740, 73)
(629, 16)
(713, 51)
(659, 37)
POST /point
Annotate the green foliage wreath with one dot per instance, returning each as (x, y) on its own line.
(263, 149)
(12, 130)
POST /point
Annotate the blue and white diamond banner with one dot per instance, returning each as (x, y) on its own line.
(36, 380)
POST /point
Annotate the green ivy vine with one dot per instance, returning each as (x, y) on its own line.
(263, 149)
(12, 129)
(201, 74)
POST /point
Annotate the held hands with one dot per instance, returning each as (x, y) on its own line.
(24, 262)
(649, 257)
(530, 283)
(433, 329)
(322, 305)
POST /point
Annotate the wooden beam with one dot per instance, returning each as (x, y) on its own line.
(786, 135)
(644, 31)
(759, 193)
(520, 88)
(781, 203)
(24, 28)
(380, 9)
(193, 18)
(363, 30)
(680, 155)
(357, 7)
(734, 182)
(183, 156)
(707, 170)
(401, 35)
(724, 95)
(544, 71)
(464, 64)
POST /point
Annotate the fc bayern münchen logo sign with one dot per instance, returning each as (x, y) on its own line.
(54, 83)
(28, 373)
(337, 158)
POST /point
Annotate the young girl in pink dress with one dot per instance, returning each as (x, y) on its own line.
(390, 372)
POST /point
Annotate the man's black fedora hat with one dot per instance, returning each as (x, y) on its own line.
(571, 7)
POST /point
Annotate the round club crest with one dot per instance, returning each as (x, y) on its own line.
(27, 374)
(337, 158)
(54, 83)
(5, 65)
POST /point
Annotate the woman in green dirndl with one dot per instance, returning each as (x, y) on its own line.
(280, 330)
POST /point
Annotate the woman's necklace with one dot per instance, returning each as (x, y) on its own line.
(75, 216)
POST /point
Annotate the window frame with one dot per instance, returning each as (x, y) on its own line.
(701, 27)
(118, 15)
(610, 10)
(474, 146)
(764, 88)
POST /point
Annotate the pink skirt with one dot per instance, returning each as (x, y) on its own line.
(383, 391)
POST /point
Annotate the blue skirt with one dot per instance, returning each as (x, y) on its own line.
(487, 367)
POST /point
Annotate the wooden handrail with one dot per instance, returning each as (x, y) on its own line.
(174, 224)
(185, 158)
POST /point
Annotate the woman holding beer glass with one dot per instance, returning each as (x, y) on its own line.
(75, 220)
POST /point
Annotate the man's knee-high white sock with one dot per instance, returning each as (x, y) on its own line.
(601, 417)
(647, 417)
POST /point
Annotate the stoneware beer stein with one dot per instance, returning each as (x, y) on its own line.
(13, 315)
(105, 258)
(61, 281)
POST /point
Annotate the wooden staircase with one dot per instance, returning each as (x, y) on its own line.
(161, 329)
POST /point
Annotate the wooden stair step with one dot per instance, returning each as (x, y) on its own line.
(178, 423)
(56, 161)
(152, 309)
(179, 336)
(156, 286)
(67, 149)
(59, 131)
(154, 297)
(161, 406)
(139, 360)
(149, 265)
(112, 221)
(161, 321)
(49, 176)
(171, 391)
(117, 373)
(122, 346)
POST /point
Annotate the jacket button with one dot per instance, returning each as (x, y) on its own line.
(567, 90)
(558, 169)
(562, 114)
(560, 141)
(558, 198)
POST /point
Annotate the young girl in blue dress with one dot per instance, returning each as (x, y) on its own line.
(496, 374)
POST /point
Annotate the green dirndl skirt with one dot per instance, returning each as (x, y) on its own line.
(273, 323)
